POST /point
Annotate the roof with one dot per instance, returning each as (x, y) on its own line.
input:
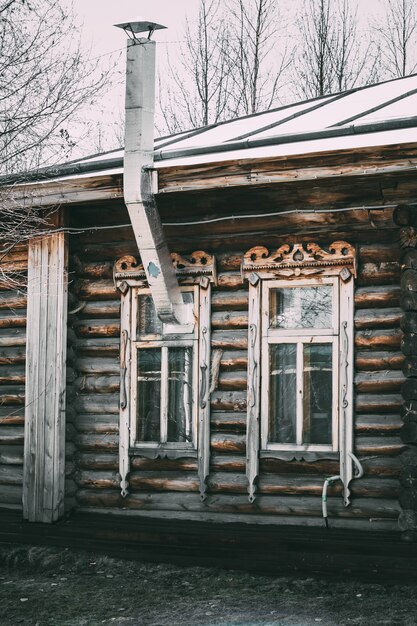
(380, 114)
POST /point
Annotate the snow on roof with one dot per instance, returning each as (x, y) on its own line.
(380, 114)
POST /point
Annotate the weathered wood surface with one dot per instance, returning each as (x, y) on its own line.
(378, 366)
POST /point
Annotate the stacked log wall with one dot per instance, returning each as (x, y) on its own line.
(12, 375)
(288, 491)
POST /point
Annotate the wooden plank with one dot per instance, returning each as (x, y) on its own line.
(43, 486)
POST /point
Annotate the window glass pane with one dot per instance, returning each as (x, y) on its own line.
(301, 307)
(148, 321)
(282, 393)
(180, 380)
(318, 394)
(149, 395)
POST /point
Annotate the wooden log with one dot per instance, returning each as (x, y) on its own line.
(409, 344)
(97, 328)
(381, 446)
(228, 463)
(377, 318)
(96, 269)
(409, 259)
(408, 432)
(11, 455)
(409, 322)
(10, 300)
(102, 424)
(11, 494)
(409, 389)
(380, 273)
(410, 366)
(98, 384)
(97, 479)
(229, 280)
(382, 381)
(378, 339)
(99, 346)
(102, 308)
(228, 422)
(229, 340)
(404, 215)
(229, 261)
(407, 520)
(225, 503)
(12, 375)
(370, 297)
(228, 401)
(101, 365)
(11, 475)
(409, 280)
(97, 461)
(374, 465)
(408, 499)
(408, 411)
(234, 380)
(103, 289)
(408, 301)
(10, 356)
(12, 337)
(234, 360)
(370, 361)
(10, 416)
(97, 442)
(12, 320)
(164, 481)
(373, 253)
(228, 443)
(97, 403)
(12, 394)
(225, 301)
(377, 424)
(229, 319)
(378, 403)
(11, 435)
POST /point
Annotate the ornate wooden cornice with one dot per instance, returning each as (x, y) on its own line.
(128, 270)
(292, 260)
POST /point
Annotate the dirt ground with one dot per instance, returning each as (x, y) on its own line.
(54, 587)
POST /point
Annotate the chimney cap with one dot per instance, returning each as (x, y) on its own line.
(139, 25)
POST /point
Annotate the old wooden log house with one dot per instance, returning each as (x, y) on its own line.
(293, 371)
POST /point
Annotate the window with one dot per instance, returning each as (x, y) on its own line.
(164, 368)
(164, 390)
(300, 334)
(300, 357)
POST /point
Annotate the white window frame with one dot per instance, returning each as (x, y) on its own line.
(300, 337)
(167, 339)
(297, 265)
(195, 272)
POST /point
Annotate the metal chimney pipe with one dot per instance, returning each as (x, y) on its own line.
(138, 177)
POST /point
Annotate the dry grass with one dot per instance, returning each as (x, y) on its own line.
(53, 587)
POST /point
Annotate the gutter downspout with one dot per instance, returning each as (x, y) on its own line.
(138, 182)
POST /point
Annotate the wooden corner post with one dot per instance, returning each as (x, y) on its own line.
(44, 451)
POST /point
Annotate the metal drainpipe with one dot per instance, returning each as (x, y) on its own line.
(138, 182)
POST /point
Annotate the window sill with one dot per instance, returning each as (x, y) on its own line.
(160, 452)
(299, 455)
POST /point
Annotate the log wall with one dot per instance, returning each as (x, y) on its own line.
(12, 375)
(289, 492)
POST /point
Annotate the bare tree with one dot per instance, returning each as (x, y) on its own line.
(200, 85)
(334, 55)
(44, 80)
(259, 54)
(397, 34)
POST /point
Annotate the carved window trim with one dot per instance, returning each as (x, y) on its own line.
(195, 273)
(291, 264)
